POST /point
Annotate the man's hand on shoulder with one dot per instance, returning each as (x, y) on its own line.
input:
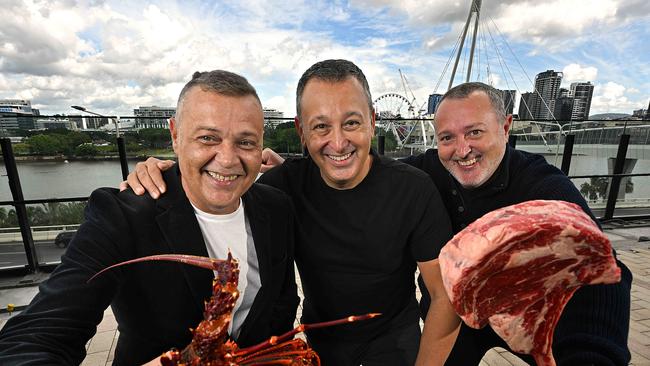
(270, 159)
(147, 176)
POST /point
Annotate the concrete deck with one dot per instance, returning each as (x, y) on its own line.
(629, 243)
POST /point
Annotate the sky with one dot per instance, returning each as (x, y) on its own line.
(114, 56)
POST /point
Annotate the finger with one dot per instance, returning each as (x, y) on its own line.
(133, 181)
(144, 178)
(124, 185)
(165, 164)
(155, 173)
(265, 168)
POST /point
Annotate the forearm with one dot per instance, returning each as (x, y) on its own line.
(439, 334)
(594, 325)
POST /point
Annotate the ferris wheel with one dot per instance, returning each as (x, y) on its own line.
(391, 105)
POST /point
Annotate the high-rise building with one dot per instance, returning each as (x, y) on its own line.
(526, 106)
(16, 114)
(563, 108)
(581, 93)
(432, 104)
(547, 85)
(89, 122)
(153, 117)
(273, 117)
(509, 100)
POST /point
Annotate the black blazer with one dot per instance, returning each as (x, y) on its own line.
(155, 303)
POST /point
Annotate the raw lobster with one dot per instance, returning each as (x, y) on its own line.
(210, 344)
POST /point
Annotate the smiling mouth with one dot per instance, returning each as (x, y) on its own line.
(467, 162)
(339, 157)
(222, 178)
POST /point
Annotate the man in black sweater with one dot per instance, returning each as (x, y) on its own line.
(476, 172)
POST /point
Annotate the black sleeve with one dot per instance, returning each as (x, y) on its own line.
(433, 229)
(594, 325)
(284, 310)
(274, 177)
(63, 316)
(413, 160)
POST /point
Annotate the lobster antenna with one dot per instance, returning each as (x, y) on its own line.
(194, 260)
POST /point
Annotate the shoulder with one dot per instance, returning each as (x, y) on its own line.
(401, 172)
(108, 203)
(533, 167)
(268, 196)
(290, 170)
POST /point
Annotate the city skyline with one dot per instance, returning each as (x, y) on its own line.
(112, 57)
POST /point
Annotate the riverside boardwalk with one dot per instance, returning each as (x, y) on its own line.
(632, 244)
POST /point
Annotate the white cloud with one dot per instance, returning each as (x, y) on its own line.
(576, 73)
(115, 56)
(611, 98)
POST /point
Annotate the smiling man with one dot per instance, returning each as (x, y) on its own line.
(212, 207)
(477, 172)
(351, 256)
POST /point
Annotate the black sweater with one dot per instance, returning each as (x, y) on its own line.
(594, 326)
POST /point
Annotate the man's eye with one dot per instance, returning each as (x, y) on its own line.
(247, 143)
(475, 133)
(207, 139)
(319, 126)
(351, 123)
(444, 138)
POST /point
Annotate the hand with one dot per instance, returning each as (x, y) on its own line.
(270, 159)
(148, 176)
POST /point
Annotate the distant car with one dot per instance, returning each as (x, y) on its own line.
(63, 238)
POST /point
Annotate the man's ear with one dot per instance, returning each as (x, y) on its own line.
(299, 131)
(173, 130)
(506, 126)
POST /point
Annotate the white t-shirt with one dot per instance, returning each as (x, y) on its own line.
(232, 232)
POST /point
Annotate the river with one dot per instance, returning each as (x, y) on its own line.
(41, 180)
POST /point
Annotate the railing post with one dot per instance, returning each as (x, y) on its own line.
(381, 144)
(616, 180)
(21, 209)
(512, 141)
(122, 151)
(567, 154)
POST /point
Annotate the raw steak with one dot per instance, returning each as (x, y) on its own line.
(517, 267)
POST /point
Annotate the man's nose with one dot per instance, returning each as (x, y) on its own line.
(339, 140)
(463, 148)
(225, 154)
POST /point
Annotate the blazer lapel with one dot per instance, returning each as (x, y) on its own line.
(182, 233)
(257, 217)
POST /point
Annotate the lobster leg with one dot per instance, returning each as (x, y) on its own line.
(301, 328)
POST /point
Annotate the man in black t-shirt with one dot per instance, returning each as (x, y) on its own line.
(364, 223)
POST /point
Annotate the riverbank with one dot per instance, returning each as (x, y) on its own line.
(64, 158)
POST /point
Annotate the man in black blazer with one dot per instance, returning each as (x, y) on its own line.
(218, 144)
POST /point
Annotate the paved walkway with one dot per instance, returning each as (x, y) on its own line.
(631, 248)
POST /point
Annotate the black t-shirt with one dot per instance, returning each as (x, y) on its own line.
(357, 249)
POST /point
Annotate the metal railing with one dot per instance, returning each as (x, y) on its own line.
(565, 135)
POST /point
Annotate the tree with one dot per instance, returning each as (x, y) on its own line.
(157, 138)
(45, 145)
(596, 188)
(87, 149)
(390, 142)
(283, 138)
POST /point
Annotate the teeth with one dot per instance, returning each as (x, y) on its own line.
(339, 157)
(467, 162)
(222, 178)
